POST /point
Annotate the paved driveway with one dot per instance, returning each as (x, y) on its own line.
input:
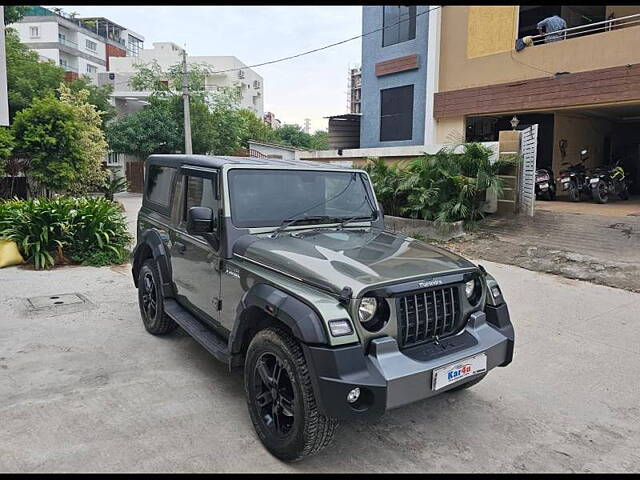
(85, 388)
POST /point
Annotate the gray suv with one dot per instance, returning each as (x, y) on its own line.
(285, 269)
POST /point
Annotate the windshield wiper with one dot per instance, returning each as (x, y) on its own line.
(357, 217)
(292, 221)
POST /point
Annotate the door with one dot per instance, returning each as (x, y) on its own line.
(194, 262)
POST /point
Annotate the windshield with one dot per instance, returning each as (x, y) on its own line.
(265, 198)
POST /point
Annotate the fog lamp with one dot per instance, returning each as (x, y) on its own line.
(353, 395)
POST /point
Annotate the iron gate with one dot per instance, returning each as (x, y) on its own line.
(527, 177)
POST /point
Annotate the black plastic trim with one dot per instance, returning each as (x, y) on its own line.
(152, 239)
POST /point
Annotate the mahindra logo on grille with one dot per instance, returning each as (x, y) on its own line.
(429, 283)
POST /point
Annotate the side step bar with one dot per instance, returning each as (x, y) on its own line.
(206, 337)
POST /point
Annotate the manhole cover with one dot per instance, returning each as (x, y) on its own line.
(47, 301)
(58, 304)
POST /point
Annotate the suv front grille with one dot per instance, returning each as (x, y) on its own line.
(424, 315)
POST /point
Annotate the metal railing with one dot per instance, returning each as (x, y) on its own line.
(67, 43)
(588, 29)
(68, 68)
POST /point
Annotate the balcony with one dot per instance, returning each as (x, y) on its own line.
(67, 67)
(588, 29)
(67, 43)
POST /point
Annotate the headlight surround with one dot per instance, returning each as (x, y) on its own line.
(373, 313)
(473, 289)
(367, 309)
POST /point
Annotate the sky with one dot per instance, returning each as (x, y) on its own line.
(313, 86)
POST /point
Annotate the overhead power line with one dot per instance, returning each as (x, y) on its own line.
(308, 52)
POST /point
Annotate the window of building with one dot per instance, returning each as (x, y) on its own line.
(93, 46)
(92, 68)
(113, 158)
(399, 24)
(396, 113)
(34, 32)
(159, 184)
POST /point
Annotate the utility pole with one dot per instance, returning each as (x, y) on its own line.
(185, 96)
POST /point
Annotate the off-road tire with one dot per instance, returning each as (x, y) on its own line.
(310, 431)
(158, 323)
(598, 196)
(468, 384)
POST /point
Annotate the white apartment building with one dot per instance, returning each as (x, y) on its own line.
(233, 73)
(65, 41)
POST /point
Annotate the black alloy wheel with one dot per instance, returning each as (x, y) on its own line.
(149, 297)
(275, 395)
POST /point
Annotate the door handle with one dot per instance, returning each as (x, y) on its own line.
(181, 247)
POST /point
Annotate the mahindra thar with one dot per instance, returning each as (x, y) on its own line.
(284, 269)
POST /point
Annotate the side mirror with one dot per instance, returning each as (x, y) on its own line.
(200, 220)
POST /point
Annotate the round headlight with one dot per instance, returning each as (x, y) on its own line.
(367, 309)
(469, 288)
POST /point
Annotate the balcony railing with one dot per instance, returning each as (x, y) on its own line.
(588, 29)
(67, 43)
(68, 68)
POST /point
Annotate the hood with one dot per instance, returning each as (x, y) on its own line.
(359, 259)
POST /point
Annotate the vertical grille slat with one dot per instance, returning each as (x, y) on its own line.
(424, 315)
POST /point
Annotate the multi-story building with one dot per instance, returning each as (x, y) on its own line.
(81, 45)
(64, 40)
(397, 75)
(120, 41)
(355, 90)
(582, 89)
(226, 72)
(442, 74)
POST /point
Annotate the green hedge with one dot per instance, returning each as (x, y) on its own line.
(86, 230)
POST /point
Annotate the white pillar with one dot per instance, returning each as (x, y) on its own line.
(433, 72)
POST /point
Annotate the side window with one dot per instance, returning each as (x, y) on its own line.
(398, 23)
(158, 188)
(199, 192)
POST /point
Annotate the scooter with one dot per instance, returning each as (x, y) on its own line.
(607, 180)
(574, 179)
(545, 184)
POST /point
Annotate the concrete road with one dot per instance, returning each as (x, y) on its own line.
(85, 389)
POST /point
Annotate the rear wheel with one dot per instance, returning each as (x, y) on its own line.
(624, 192)
(574, 193)
(601, 192)
(280, 397)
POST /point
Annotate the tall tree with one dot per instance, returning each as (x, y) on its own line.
(7, 143)
(27, 77)
(98, 96)
(63, 140)
(13, 13)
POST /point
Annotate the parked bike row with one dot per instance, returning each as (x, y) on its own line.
(580, 183)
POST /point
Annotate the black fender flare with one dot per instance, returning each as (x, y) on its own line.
(151, 241)
(303, 321)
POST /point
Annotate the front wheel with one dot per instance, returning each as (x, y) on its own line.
(601, 192)
(624, 192)
(280, 397)
(151, 300)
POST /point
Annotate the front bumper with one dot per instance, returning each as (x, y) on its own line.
(389, 378)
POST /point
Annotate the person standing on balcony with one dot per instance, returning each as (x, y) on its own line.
(550, 25)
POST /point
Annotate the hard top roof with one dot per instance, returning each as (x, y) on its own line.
(218, 161)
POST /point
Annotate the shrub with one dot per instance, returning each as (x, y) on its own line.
(444, 187)
(88, 230)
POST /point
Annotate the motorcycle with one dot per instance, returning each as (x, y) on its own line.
(545, 184)
(607, 180)
(574, 179)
